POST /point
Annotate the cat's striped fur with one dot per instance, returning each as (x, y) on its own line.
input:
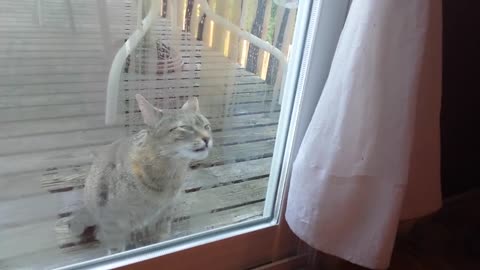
(133, 182)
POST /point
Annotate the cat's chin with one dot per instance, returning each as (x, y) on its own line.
(195, 154)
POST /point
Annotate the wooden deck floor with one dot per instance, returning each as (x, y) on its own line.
(52, 101)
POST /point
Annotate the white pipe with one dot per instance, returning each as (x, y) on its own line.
(282, 59)
(113, 88)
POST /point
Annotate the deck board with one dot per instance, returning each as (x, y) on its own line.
(192, 204)
(14, 54)
(78, 85)
(79, 155)
(21, 186)
(44, 206)
(42, 258)
(99, 96)
(193, 75)
(32, 144)
(84, 87)
(27, 68)
(93, 108)
(69, 124)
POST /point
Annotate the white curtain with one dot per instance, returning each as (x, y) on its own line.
(371, 156)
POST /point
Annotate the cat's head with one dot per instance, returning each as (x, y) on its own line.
(183, 133)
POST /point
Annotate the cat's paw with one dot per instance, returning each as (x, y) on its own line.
(114, 250)
(78, 221)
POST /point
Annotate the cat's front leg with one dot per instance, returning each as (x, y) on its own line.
(115, 245)
(157, 231)
(141, 237)
(165, 229)
(113, 237)
(115, 250)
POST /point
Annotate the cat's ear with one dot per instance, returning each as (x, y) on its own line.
(191, 105)
(150, 114)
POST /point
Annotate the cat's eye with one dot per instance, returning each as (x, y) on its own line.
(182, 127)
(207, 127)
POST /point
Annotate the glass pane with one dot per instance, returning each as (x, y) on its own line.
(73, 188)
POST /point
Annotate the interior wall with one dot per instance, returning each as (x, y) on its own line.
(460, 119)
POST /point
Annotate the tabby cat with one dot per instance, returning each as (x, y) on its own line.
(134, 181)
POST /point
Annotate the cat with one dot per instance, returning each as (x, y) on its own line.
(134, 181)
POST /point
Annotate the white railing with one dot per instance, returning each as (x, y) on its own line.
(260, 43)
(113, 88)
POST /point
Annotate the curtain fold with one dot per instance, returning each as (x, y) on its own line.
(370, 156)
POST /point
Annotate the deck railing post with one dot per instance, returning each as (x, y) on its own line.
(172, 6)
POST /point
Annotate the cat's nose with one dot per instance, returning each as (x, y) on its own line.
(206, 140)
